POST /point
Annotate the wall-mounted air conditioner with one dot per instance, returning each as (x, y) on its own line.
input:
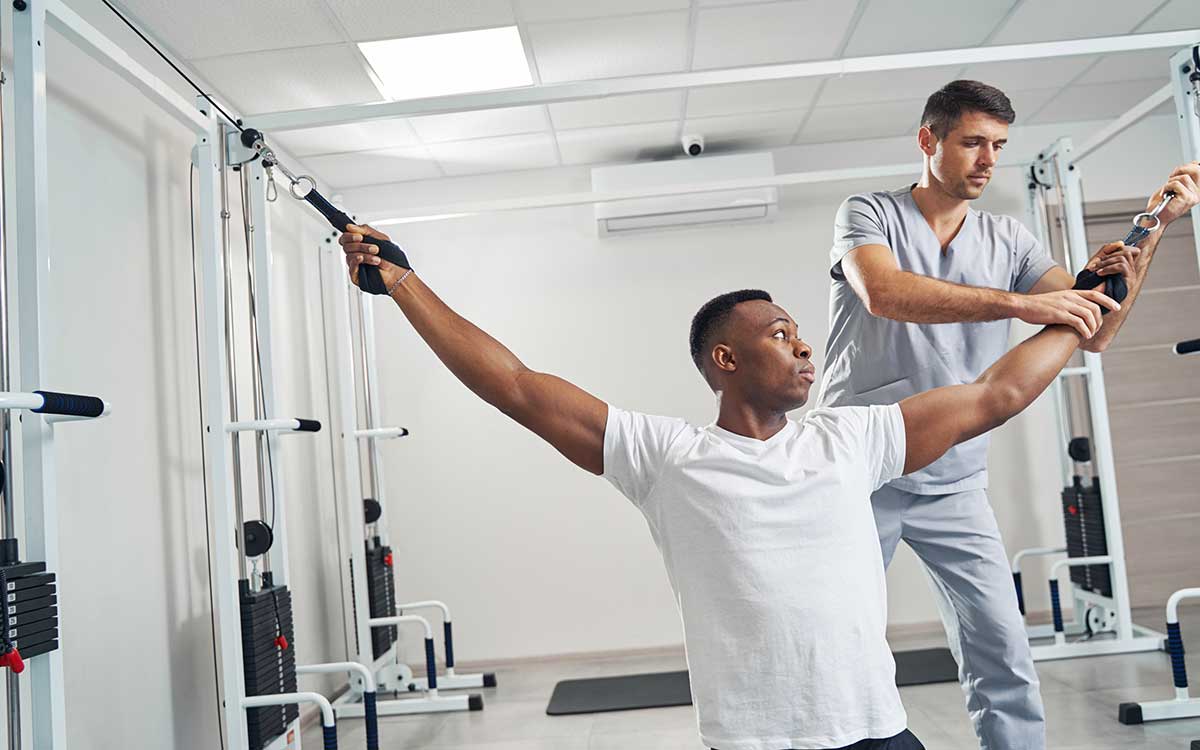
(685, 208)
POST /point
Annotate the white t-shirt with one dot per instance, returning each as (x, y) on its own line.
(771, 550)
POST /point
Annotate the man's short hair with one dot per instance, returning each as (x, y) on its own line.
(712, 315)
(950, 102)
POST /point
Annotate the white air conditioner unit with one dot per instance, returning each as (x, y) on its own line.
(685, 208)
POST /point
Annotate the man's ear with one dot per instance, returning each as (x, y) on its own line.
(722, 357)
(927, 140)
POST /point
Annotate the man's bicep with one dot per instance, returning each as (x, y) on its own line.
(938, 419)
(1055, 279)
(566, 416)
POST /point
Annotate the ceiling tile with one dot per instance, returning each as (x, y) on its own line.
(1174, 16)
(891, 85)
(1024, 74)
(344, 171)
(1096, 102)
(1130, 66)
(298, 78)
(362, 136)
(461, 126)
(770, 33)
(495, 154)
(621, 144)
(763, 130)
(617, 110)
(367, 20)
(194, 30)
(532, 11)
(760, 96)
(891, 26)
(1059, 19)
(1027, 102)
(606, 48)
(862, 121)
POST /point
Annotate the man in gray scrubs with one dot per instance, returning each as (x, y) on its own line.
(923, 290)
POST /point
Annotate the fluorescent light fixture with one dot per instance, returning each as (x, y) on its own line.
(466, 61)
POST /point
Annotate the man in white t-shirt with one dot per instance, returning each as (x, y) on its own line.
(764, 523)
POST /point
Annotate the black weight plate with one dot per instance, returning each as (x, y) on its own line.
(36, 638)
(31, 605)
(17, 570)
(24, 582)
(34, 592)
(25, 631)
(36, 615)
(43, 648)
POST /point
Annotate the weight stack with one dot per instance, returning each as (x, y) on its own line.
(381, 595)
(269, 658)
(30, 618)
(1083, 518)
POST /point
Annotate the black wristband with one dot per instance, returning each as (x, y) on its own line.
(1114, 285)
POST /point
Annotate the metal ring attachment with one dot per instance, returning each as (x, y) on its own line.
(300, 194)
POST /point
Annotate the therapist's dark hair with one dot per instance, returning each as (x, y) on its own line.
(952, 101)
(712, 315)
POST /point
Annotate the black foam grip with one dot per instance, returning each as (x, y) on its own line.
(448, 632)
(369, 278)
(1056, 607)
(1114, 285)
(1020, 592)
(330, 737)
(430, 664)
(308, 425)
(1188, 347)
(371, 719)
(70, 404)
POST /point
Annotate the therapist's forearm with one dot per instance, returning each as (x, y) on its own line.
(912, 298)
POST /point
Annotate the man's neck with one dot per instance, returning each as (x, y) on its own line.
(942, 211)
(742, 418)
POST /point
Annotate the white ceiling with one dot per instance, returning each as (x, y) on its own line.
(271, 55)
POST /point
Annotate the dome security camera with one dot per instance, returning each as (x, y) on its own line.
(693, 145)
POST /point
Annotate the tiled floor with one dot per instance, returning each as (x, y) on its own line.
(1081, 697)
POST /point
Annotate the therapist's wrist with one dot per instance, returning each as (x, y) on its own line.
(1012, 304)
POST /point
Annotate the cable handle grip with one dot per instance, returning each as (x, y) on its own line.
(308, 425)
(369, 278)
(69, 404)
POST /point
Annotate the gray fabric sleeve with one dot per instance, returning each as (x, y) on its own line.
(1031, 262)
(858, 222)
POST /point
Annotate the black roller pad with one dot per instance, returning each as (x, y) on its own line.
(662, 689)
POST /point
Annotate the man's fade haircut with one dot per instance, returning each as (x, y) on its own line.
(946, 105)
(712, 315)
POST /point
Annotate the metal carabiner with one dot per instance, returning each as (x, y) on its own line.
(272, 188)
(1145, 223)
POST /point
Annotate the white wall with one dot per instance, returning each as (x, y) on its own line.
(536, 556)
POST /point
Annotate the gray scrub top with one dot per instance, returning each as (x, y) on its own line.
(872, 360)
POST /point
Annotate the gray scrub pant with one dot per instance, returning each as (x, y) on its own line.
(957, 539)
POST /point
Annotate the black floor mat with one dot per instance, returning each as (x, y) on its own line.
(661, 689)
